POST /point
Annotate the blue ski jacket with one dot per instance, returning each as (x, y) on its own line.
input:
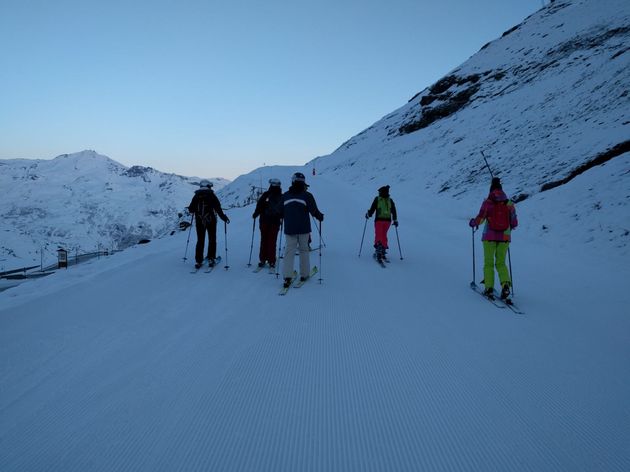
(297, 206)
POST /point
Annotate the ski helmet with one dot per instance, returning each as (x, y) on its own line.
(205, 183)
(298, 177)
(274, 182)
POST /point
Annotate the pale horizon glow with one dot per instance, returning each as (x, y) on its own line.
(216, 90)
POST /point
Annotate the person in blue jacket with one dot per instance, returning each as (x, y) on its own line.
(298, 205)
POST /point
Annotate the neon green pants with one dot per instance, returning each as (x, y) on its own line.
(494, 255)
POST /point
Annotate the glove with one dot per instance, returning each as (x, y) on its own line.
(396, 223)
(321, 217)
(473, 223)
(254, 216)
(227, 220)
(367, 215)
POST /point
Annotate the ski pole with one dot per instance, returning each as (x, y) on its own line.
(192, 217)
(487, 165)
(510, 263)
(321, 242)
(362, 237)
(320, 251)
(398, 239)
(251, 248)
(226, 246)
(280, 256)
(473, 284)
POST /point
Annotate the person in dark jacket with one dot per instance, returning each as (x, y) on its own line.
(298, 205)
(205, 206)
(269, 209)
(385, 210)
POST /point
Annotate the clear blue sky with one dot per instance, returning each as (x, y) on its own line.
(217, 88)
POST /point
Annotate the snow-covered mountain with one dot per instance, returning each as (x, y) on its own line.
(547, 102)
(84, 201)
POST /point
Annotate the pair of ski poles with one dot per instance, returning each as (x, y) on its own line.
(321, 243)
(473, 283)
(192, 217)
(363, 237)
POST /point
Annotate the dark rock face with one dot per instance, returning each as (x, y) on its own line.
(450, 94)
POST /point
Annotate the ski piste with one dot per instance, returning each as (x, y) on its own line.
(284, 290)
(211, 268)
(299, 283)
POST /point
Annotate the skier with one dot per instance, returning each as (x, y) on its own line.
(385, 210)
(269, 208)
(205, 206)
(297, 205)
(499, 214)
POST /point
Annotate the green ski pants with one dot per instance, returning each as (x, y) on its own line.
(494, 253)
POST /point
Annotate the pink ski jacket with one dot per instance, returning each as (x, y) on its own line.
(486, 207)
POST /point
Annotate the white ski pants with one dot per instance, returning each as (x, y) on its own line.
(295, 241)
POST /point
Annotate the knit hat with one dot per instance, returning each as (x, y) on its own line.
(496, 184)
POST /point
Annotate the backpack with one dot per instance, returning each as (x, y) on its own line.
(383, 208)
(206, 212)
(499, 216)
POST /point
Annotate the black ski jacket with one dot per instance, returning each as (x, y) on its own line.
(374, 207)
(205, 205)
(269, 206)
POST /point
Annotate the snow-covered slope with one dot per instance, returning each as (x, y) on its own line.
(546, 102)
(133, 363)
(84, 201)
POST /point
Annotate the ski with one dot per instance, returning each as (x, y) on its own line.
(494, 301)
(211, 267)
(259, 268)
(284, 290)
(380, 262)
(509, 303)
(299, 283)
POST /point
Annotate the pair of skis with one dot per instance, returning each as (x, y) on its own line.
(272, 270)
(497, 300)
(295, 283)
(209, 268)
(381, 261)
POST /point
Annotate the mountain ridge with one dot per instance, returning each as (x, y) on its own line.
(85, 200)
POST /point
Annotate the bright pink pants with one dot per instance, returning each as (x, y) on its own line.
(380, 232)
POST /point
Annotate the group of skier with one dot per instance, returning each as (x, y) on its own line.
(292, 210)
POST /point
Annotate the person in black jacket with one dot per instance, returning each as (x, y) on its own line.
(385, 210)
(298, 205)
(269, 208)
(205, 206)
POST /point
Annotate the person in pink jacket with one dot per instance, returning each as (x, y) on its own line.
(499, 214)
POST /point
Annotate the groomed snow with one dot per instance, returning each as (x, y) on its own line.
(133, 363)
